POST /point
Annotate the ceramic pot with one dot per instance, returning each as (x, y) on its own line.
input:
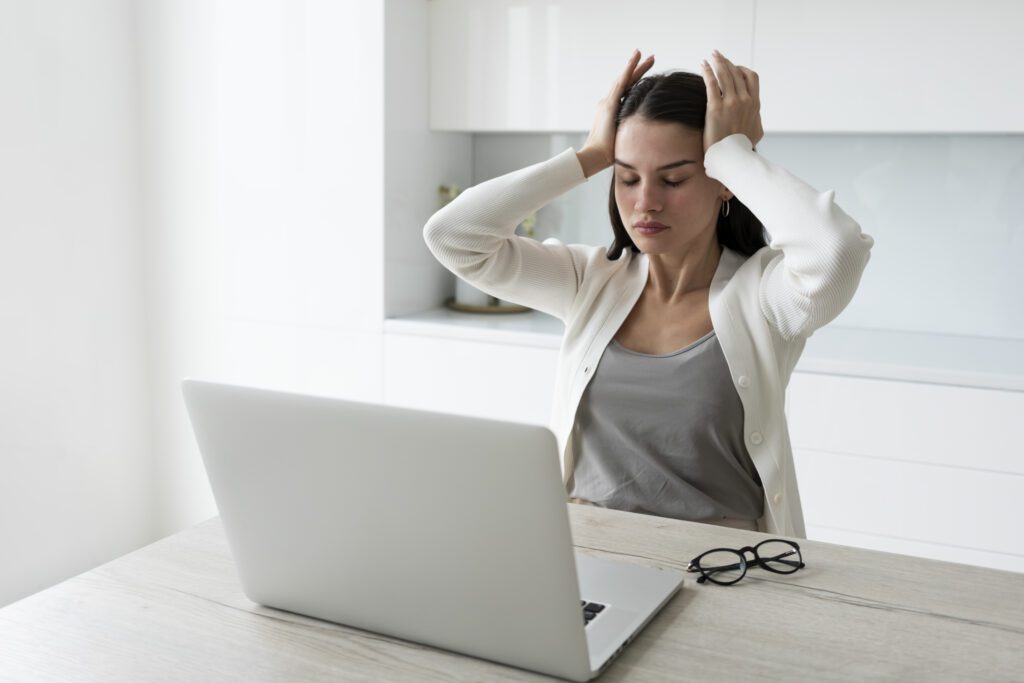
(469, 295)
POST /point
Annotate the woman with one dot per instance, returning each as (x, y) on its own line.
(680, 339)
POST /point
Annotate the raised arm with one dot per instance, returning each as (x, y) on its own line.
(474, 235)
(824, 251)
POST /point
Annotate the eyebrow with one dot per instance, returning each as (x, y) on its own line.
(660, 168)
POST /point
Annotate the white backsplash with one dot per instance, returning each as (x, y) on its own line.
(948, 235)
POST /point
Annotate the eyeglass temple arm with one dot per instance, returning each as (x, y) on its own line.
(711, 570)
(779, 558)
(692, 566)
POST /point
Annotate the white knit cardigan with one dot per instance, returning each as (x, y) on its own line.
(763, 307)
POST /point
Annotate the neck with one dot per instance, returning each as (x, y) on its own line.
(672, 276)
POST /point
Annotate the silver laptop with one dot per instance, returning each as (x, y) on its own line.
(446, 530)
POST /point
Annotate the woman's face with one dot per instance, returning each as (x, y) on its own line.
(681, 197)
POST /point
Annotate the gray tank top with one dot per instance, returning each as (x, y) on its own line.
(663, 435)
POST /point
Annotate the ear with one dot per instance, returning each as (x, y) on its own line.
(727, 196)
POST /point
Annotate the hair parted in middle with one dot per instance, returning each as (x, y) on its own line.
(681, 97)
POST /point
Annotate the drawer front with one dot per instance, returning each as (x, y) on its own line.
(912, 502)
(932, 551)
(927, 423)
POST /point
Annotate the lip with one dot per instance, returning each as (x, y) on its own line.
(649, 227)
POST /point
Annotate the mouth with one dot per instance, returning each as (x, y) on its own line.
(649, 227)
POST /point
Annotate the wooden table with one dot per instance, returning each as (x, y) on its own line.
(174, 611)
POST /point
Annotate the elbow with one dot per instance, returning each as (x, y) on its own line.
(439, 227)
(866, 243)
(448, 245)
(433, 235)
(428, 234)
(858, 246)
(429, 239)
(430, 229)
(849, 259)
(851, 246)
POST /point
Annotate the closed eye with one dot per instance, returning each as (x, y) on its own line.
(630, 183)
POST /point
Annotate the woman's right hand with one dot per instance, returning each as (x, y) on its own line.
(600, 145)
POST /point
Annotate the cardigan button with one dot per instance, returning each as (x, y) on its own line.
(777, 498)
(744, 381)
(586, 369)
(755, 438)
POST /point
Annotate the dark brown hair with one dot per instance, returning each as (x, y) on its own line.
(681, 97)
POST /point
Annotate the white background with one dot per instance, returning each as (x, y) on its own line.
(201, 188)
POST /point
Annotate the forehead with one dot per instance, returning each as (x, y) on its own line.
(650, 144)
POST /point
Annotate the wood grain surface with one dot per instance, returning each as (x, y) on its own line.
(173, 611)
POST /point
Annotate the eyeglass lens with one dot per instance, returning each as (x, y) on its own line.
(722, 566)
(725, 566)
(779, 556)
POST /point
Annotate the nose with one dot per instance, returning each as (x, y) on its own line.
(648, 198)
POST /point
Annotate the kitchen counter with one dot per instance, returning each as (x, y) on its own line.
(978, 362)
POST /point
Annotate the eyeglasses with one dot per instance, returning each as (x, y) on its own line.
(726, 566)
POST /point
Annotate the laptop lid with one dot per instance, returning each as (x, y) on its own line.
(440, 529)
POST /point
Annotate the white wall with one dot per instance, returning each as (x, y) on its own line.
(417, 161)
(264, 123)
(187, 188)
(76, 477)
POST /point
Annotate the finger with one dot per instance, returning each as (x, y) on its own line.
(642, 69)
(710, 82)
(725, 75)
(631, 67)
(622, 82)
(738, 79)
(753, 84)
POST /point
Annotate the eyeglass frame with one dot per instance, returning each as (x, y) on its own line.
(694, 565)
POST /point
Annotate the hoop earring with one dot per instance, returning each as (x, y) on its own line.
(725, 208)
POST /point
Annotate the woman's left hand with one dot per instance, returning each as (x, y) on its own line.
(734, 102)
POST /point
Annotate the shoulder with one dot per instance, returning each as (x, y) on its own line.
(754, 266)
(591, 260)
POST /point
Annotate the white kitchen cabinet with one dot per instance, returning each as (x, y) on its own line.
(907, 467)
(914, 468)
(542, 65)
(930, 424)
(826, 66)
(481, 379)
(953, 510)
(895, 66)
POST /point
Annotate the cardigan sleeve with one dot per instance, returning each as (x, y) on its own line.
(474, 237)
(823, 250)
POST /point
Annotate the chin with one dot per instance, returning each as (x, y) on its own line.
(656, 243)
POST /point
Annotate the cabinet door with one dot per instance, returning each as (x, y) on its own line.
(481, 379)
(953, 514)
(542, 65)
(930, 424)
(895, 66)
(907, 467)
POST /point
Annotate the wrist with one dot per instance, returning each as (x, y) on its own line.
(592, 160)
